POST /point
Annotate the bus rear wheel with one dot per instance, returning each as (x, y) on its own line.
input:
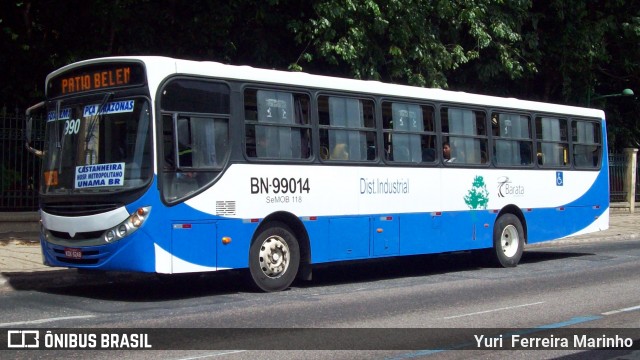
(508, 241)
(274, 258)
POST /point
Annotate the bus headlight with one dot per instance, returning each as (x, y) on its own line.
(129, 226)
(122, 231)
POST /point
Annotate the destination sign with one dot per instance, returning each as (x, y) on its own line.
(96, 77)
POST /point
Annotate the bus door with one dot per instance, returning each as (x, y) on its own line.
(193, 246)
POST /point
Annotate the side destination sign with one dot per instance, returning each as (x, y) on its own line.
(109, 108)
(99, 175)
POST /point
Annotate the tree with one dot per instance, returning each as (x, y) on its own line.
(414, 42)
(43, 36)
(596, 53)
(562, 51)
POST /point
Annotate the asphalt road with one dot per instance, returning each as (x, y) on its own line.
(570, 286)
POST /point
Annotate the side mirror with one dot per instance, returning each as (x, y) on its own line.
(29, 128)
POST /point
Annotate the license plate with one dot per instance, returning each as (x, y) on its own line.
(73, 253)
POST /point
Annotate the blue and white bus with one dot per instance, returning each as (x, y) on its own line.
(154, 164)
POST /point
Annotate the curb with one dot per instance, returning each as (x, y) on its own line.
(19, 222)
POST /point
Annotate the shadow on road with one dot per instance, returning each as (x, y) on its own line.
(135, 287)
(419, 265)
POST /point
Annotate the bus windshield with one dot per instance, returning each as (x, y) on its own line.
(96, 144)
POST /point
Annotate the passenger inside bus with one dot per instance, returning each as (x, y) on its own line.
(180, 182)
(340, 152)
(446, 153)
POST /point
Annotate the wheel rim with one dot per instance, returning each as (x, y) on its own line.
(274, 256)
(509, 241)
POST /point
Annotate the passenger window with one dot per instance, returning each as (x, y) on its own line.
(277, 125)
(195, 96)
(195, 147)
(202, 142)
(409, 133)
(464, 136)
(553, 145)
(513, 145)
(347, 129)
(587, 144)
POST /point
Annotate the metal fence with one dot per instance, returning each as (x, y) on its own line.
(617, 169)
(19, 169)
(20, 178)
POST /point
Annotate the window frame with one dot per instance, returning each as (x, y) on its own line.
(496, 138)
(390, 131)
(539, 141)
(597, 143)
(328, 155)
(445, 137)
(169, 173)
(248, 122)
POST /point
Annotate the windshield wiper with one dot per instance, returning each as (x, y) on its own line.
(59, 140)
(93, 123)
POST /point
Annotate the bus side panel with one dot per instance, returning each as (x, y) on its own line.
(318, 231)
(235, 254)
(182, 239)
(349, 238)
(466, 230)
(556, 223)
(484, 221)
(579, 217)
(195, 241)
(386, 235)
(545, 224)
(134, 254)
(419, 233)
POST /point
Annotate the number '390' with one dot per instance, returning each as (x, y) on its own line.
(71, 127)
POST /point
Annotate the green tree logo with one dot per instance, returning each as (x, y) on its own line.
(478, 195)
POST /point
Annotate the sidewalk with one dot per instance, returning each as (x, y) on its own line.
(21, 259)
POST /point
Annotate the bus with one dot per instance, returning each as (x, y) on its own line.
(162, 165)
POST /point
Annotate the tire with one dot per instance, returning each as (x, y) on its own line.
(274, 258)
(508, 241)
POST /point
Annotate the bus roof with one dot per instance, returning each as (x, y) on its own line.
(162, 67)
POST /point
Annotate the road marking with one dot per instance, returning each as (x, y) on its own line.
(493, 310)
(214, 355)
(416, 354)
(572, 321)
(633, 308)
(44, 321)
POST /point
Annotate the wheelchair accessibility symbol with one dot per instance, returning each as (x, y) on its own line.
(559, 178)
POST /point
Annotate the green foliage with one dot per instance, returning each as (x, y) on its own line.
(595, 54)
(415, 42)
(564, 51)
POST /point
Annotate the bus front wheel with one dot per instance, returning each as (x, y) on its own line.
(274, 258)
(508, 241)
